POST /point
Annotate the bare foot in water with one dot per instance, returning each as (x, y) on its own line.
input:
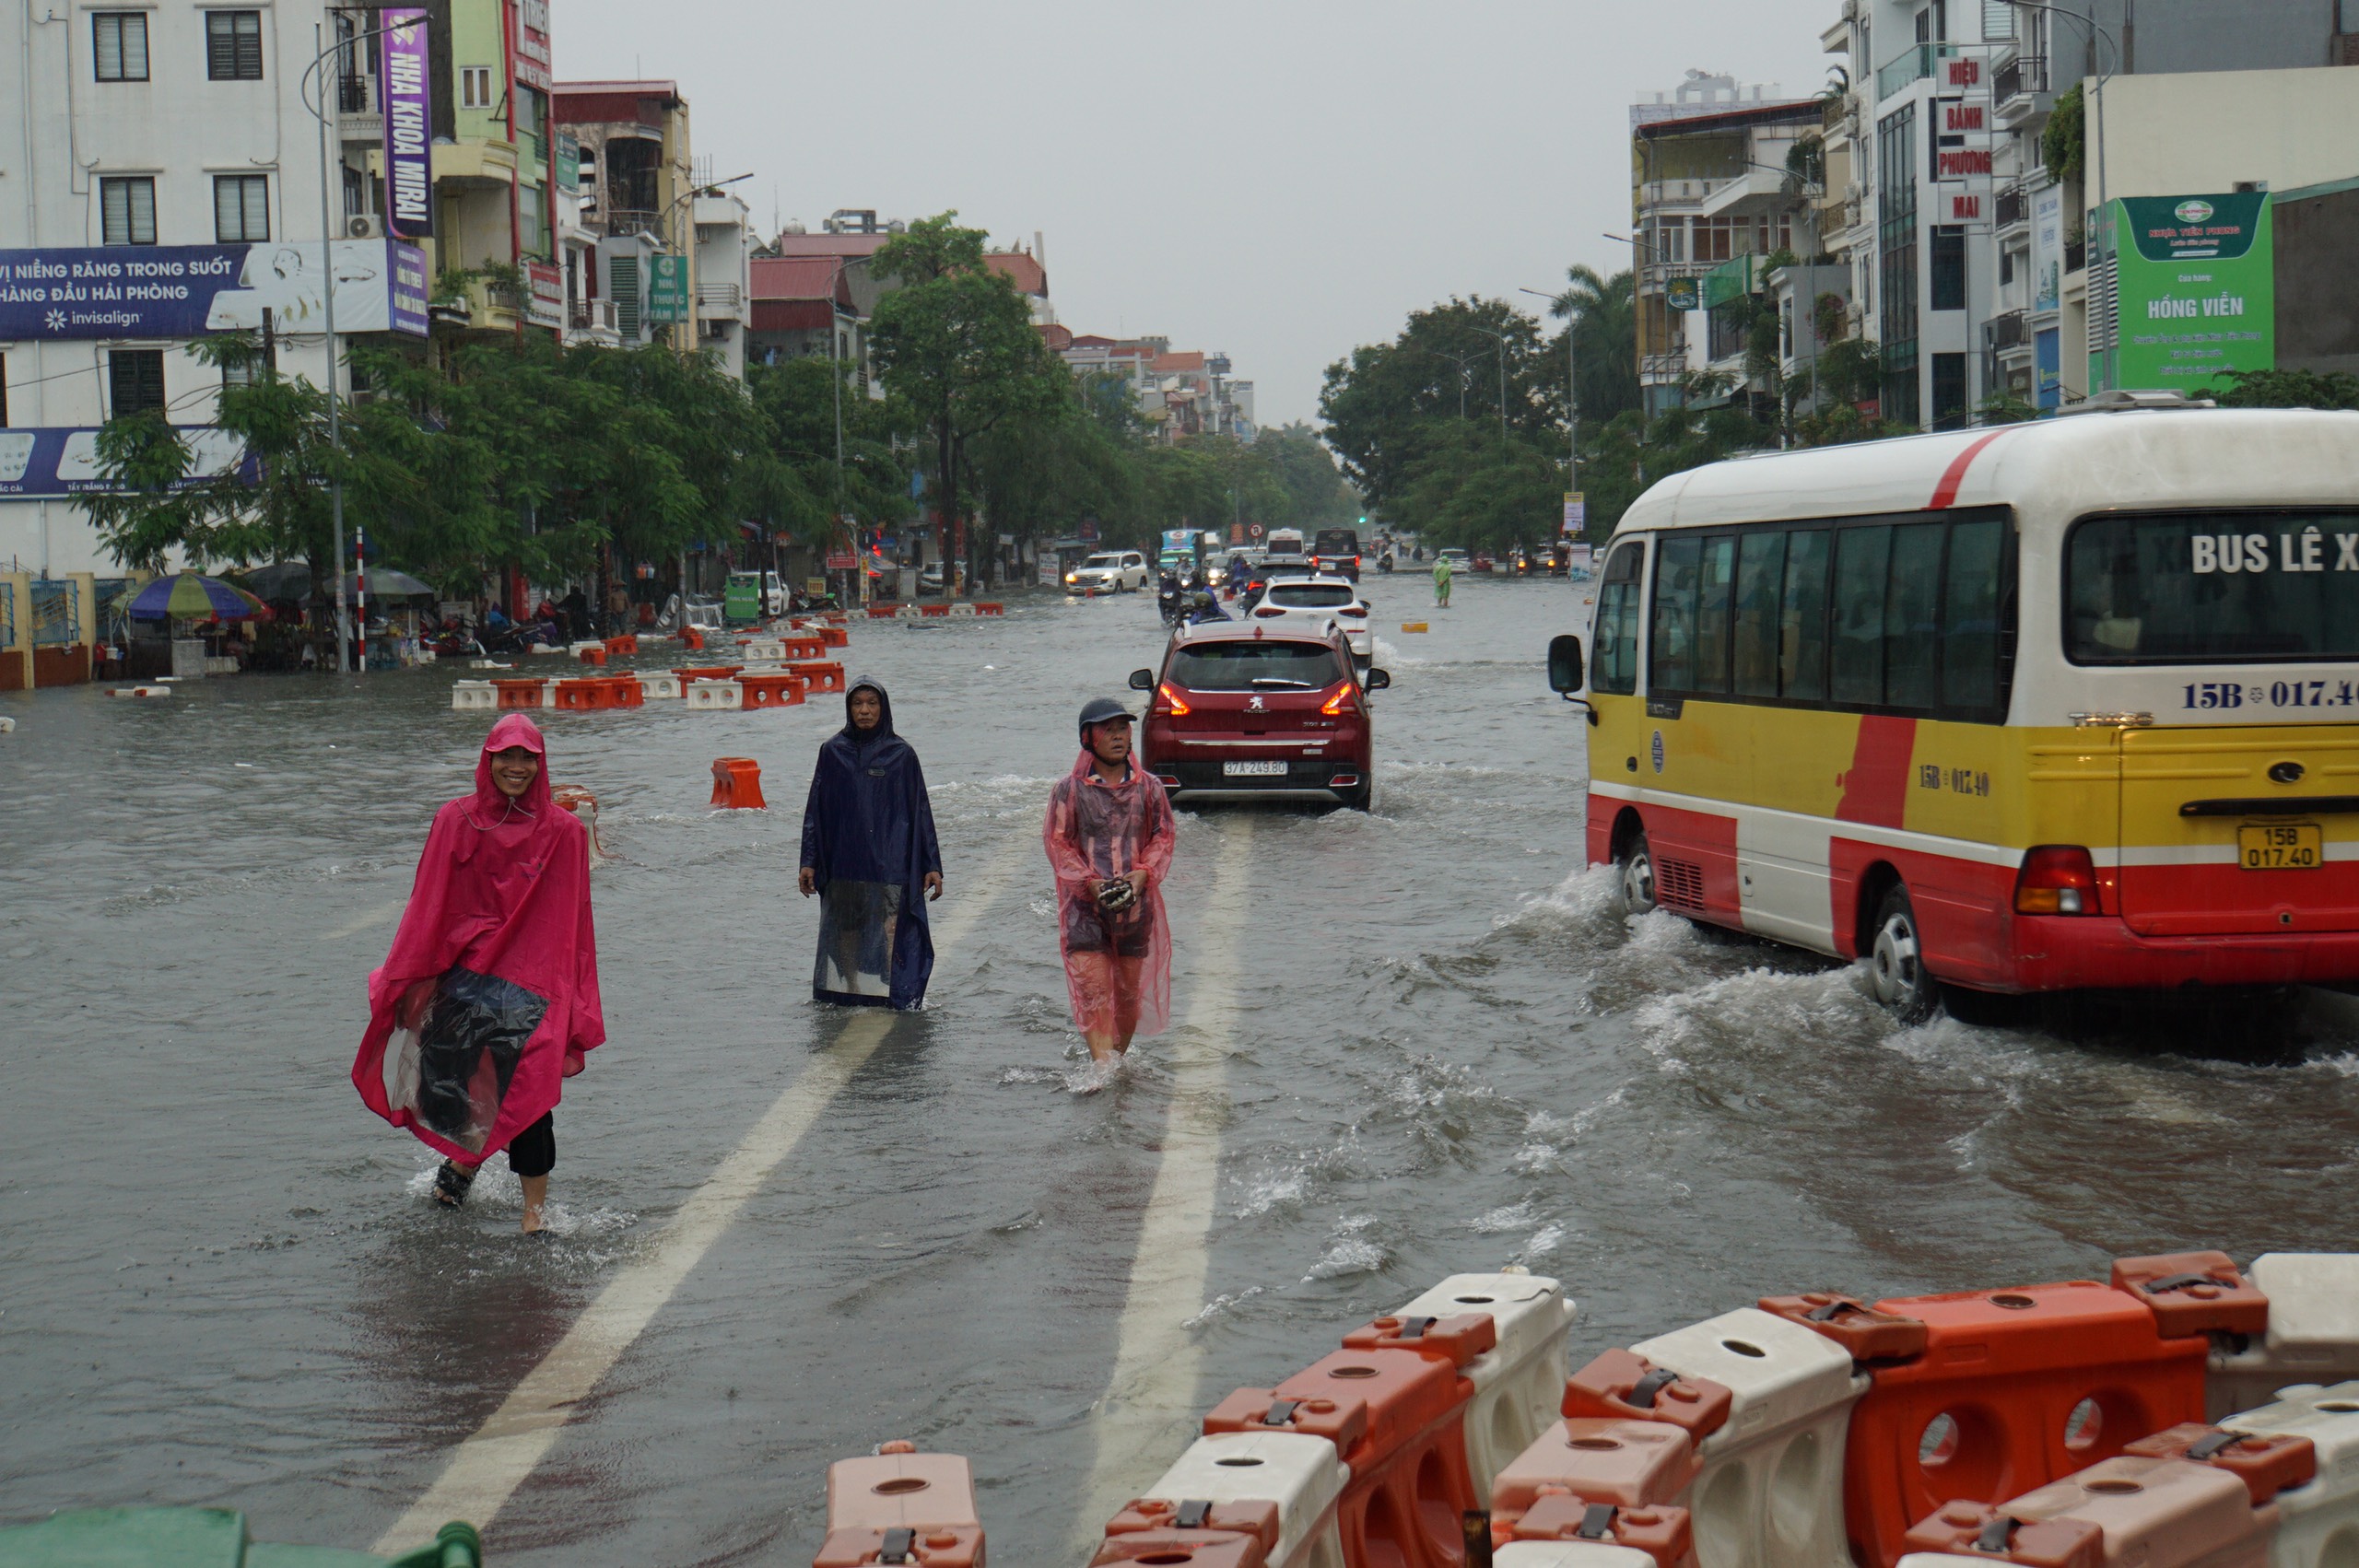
(537, 1195)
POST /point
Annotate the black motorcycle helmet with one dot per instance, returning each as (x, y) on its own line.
(1098, 710)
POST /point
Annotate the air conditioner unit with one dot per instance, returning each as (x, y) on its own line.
(364, 226)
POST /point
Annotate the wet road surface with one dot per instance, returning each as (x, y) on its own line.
(1404, 1044)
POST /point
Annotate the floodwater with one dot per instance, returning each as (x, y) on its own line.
(1407, 1043)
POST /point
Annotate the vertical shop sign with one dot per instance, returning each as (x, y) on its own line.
(409, 174)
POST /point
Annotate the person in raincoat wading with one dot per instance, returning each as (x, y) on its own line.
(870, 854)
(1108, 835)
(488, 1000)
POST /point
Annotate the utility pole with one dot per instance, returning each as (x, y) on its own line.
(335, 441)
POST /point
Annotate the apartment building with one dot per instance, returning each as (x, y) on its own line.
(635, 179)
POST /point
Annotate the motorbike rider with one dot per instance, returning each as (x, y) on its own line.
(1205, 608)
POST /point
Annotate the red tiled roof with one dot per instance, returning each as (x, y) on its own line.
(791, 315)
(1791, 109)
(1173, 364)
(604, 103)
(829, 244)
(1023, 267)
(1091, 340)
(1059, 338)
(800, 278)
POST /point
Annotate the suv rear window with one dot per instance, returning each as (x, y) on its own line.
(1309, 595)
(1338, 542)
(1236, 666)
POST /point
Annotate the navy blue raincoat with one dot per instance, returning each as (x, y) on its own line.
(868, 838)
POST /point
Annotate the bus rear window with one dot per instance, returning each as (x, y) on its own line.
(2213, 588)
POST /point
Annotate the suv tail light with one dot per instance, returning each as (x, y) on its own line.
(1357, 612)
(1342, 701)
(1267, 611)
(1173, 706)
(2056, 879)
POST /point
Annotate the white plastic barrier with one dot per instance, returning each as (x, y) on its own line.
(1771, 1493)
(763, 650)
(2313, 1332)
(960, 607)
(2317, 1525)
(466, 695)
(653, 684)
(716, 695)
(7, 725)
(139, 691)
(1302, 1475)
(909, 612)
(1519, 1384)
(1571, 1554)
(544, 648)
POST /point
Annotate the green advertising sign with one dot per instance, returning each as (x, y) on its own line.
(2196, 292)
(668, 289)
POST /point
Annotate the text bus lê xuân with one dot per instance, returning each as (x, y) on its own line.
(2071, 704)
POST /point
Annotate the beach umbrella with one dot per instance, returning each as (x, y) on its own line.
(384, 583)
(196, 598)
(281, 579)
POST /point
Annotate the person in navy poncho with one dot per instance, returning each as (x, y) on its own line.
(870, 854)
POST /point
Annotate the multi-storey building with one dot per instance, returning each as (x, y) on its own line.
(637, 178)
(1714, 198)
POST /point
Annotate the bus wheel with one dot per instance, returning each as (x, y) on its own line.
(1902, 984)
(1638, 864)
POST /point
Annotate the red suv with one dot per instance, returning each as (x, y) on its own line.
(1242, 710)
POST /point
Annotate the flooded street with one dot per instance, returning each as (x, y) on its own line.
(1407, 1043)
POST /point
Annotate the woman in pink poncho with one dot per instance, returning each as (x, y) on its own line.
(1108, 835)
(489, 996)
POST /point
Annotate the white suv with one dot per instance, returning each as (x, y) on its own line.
(1307, 603)
(1114, 571)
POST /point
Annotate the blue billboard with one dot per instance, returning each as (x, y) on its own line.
(40, 462)
(152, 291)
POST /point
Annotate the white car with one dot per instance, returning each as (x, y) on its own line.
(1308, 603)
(1113, 571)
(1459, 564)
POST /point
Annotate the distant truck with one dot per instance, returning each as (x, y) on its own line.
(1285, 545)
(1337, 551)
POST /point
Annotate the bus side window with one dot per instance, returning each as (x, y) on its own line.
(1860, 558)
(1761, 562)
(1911, 641)
(1970, 616)
(1673, 649)
(1614, 654)
(1713, 588)
(1802, 638)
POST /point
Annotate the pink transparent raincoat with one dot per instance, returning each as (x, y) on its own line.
(1118, 967)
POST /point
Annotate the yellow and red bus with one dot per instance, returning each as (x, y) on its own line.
(2062, 705)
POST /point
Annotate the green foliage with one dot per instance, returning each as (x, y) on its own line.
(1603, 319)
(2287, 388)
(2063, 142)
(2004, 408)
(1632, 452)
(1468, 489)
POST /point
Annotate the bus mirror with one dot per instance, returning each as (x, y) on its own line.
(1565, 664)
(1142, 680)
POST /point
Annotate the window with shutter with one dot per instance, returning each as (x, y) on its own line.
(622, 273)
(134, 381)
(240, 208)
(119, 45)
(127, 210)
(233, 46)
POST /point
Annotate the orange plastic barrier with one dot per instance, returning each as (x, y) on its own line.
(1259, 1520)
(2266, 1465)
(793, 647)
(594, 655)
(899, 1506)
(737, 784)
(627, 644)
(1625, 1385)
(628, 692)
(1410, 1483)
(1996, 1402)
(2194, 1293)
(591, 693)
(692, 639)
(1196, 1549)
(1633, 1464)
(520, 694)
(1341, 1419)
(882, 612)
(983, 608)
(931, 611)
(772, 691)
(2142, 1513)
(1859, 1329)
(573, 798)
(824, 677)
(1457, 1339)
(1667, 1534)
(707, 672)
(835, 637)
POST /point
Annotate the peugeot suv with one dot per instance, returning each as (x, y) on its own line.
(1241, 711)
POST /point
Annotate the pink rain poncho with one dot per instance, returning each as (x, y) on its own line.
(489, 995)
(1117, 966)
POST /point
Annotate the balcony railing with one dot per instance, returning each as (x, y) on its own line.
(353, 95)
(1656, 370)
(720, 297)
(2007, 330)
(592, 316)
(2024, 74)
(2014, 206)
(2076, 255)
(633, 220)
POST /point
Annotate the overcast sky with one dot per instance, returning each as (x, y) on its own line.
(1278, 178)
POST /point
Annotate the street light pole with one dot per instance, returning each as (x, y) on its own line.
(1503, 379)
(336, 429)
(1572, 393)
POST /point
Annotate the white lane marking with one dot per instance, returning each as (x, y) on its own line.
(1147, 1413)
(486, 1469)
(359, 923)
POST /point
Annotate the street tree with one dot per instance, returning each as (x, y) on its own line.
(955, 340)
